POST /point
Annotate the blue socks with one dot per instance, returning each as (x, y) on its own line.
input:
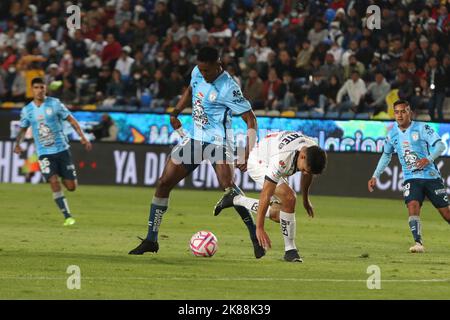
(246, 217)
(61, 202)
(416, 228)
(157, 209)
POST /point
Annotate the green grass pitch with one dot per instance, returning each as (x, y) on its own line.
(346, 236)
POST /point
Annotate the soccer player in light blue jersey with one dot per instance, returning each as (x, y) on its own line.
(46, 115)
(214, 97)
(417, 146)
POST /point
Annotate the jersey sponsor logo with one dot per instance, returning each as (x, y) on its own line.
(198, 111)
(291, 137)
(440, 191)
(46, 137)
(410, 158)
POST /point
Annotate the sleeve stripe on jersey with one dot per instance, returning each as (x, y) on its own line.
(435, 142)
(268, 179)
(240, 114)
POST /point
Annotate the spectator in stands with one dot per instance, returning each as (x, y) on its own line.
(355, 89)
(271, 89)
(317, 34)
(332, 89)
(375, 98)
(330, 68)
(111, 52)
(404, 85)
(288, 95)
(304, 58)
(315, 98)
(253, 90)
(353, 65)
(159, 91)
(115, 90)
(439, 82)
(124, 64)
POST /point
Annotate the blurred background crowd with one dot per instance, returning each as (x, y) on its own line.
(292, 58)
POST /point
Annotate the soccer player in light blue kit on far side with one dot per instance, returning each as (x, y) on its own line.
(46, 115)
(417, 146)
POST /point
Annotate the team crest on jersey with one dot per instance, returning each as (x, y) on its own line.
(282, 164)
(49, 111)
(415, 135)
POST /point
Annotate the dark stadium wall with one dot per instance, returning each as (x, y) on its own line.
(141, 165)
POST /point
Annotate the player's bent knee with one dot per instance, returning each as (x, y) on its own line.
(413, 206)
(164, 185)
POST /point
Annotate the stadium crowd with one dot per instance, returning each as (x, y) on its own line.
(306, 58)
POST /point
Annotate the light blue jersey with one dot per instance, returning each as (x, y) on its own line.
(413, 144)
(212, 108)
(46, 122)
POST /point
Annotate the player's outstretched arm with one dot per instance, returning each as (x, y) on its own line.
(264, 200)
(305, 184)
(184, 102)
(382, 164)
(252, 126)
(18, 149)
(76, 126)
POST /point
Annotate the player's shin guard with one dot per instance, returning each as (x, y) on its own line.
(288, 229)
(246, 217)
(61, 202)
(157, 209)
(416, 228)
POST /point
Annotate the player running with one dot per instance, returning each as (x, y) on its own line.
(45, 115)
(278, 156)
(412, 141)
(214, 95)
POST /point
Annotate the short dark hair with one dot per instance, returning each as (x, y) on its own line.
(316, 159)
(37, 80)
(208, 55)
(396, 103)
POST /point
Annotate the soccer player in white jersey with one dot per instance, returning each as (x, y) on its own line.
(278, 156)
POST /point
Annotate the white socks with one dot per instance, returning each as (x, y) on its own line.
(288, 229)
(249, 203)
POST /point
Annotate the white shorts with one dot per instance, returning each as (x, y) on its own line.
(257, 170)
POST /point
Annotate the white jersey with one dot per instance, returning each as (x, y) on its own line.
(278, 153)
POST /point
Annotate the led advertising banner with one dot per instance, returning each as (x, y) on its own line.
(141, 165)
(332, 135)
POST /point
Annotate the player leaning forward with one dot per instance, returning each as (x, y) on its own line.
(276, 157)
(214, 96)
(413, 141)
(46, 115)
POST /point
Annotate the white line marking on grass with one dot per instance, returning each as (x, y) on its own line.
(31, 278)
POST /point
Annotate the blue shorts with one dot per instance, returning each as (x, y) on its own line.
(191, 153)
(433, 189)
(59, 164)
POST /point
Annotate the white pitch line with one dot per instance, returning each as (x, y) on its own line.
(226, 279)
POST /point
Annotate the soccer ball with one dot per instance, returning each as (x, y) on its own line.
(203, 244)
